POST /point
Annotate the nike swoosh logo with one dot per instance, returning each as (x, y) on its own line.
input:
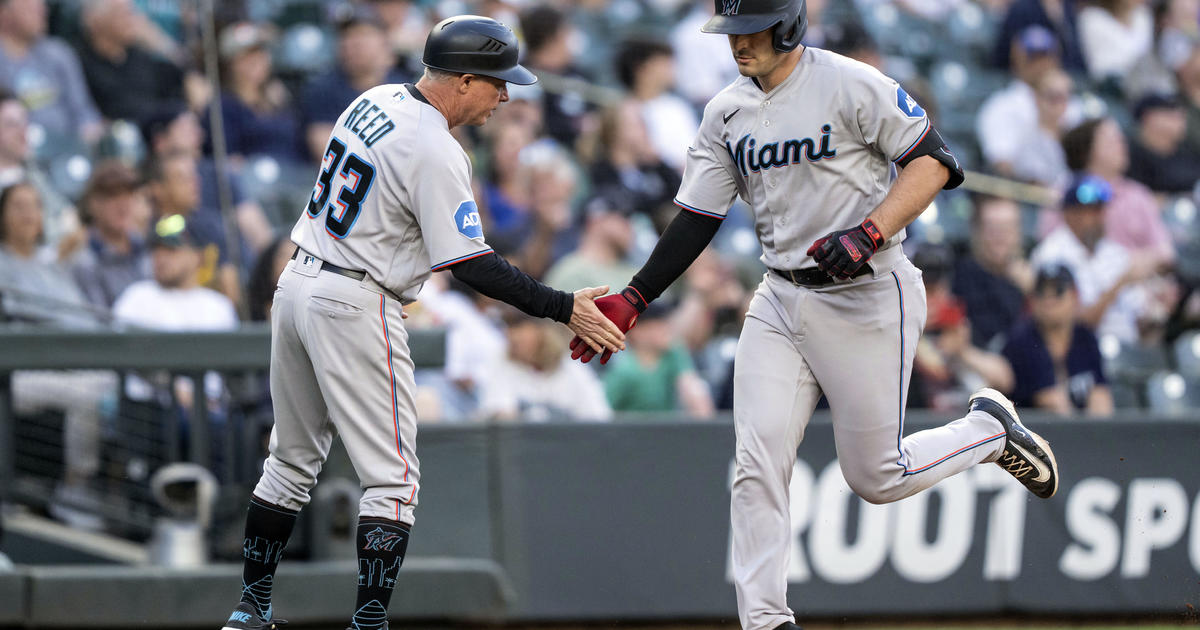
(726, 117)
(1043, 470)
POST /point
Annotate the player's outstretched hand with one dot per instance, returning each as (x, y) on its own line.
(840, 254)
(622, 309)
(592, 328)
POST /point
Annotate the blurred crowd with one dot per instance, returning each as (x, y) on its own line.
(139, 191)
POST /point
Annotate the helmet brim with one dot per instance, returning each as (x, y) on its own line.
(740, 24)
(517, 74)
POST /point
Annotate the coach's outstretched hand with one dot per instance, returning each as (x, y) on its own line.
(591, 326)
(622, 309)
(840, 254)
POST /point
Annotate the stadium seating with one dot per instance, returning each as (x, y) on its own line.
(1170, 393)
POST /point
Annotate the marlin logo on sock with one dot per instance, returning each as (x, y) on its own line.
(380, 540)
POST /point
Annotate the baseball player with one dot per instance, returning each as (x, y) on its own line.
(813, 141)
(392, 203)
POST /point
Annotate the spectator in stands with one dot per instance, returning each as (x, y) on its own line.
(128, 82)
(707, 67)
(536, 380)
(115, 255)
(544, 231)
(1132, 218)
(34, 288)
(1040, 156)
(62, 229)
(1104, 272)
(656, 374)
(178, 130)
(948, 367)
(1176, 31)
(505, 189)
(1114, 35)
(256, 108)
(407, 24)
(174, 187)
(1157, 158)
(625, 166)
(1059, 16)
(646, 68)
(993, 278)
(364, 61)
(547, 50)
(260, 293)
(601, 258)
(1055, 358)
(1189, 87)
(1035, 52)
(44, 73)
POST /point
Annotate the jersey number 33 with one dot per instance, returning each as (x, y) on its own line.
(355, 179)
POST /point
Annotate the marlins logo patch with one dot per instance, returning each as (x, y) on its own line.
(466, 219)
(908, 104)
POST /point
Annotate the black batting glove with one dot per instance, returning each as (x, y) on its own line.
(840, 254)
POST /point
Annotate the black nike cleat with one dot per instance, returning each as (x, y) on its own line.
(245, 617)
(1027, 456)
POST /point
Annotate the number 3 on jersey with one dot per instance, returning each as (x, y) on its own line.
(356, 179)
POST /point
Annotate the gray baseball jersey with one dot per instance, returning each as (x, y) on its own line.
(404, 205)
(392, 199)
(812, 156)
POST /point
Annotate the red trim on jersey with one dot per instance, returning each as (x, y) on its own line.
(395, 411)
(699, 211)
(441, 266)
(914, 144)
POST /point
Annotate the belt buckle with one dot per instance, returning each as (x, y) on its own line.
(792, 277)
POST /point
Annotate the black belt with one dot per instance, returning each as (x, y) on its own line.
(341, 271)
(813, 276)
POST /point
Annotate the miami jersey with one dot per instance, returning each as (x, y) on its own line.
(393, 196)
(812, 156)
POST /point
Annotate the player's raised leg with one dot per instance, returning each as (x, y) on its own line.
(776, 395)
(862, 343)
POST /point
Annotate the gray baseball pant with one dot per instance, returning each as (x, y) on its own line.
(855, 343)
(340, 359)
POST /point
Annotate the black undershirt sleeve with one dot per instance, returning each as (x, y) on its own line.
(683, 240)
(933, 146)
(494, 277)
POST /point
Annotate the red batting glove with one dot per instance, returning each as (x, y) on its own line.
(840, 254)
(621, 309)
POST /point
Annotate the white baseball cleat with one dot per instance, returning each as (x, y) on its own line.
(1027, 456)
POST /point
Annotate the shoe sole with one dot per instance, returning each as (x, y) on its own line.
(1002, 400)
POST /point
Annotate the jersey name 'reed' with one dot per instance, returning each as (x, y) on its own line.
(368, 122)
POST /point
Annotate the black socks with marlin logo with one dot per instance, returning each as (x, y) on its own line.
(381, 546)
(268, 528)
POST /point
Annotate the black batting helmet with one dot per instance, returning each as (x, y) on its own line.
(788, 18)
(473, 44)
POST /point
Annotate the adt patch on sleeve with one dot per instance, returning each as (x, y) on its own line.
(466, 219)
(908, 104)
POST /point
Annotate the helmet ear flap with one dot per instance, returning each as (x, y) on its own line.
(787, 40)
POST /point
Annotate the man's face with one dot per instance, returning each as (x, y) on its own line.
(179, 190)
(1168, 123)
(184, 134)
(363, 50)
(114, 214)
(26, 18)
(1054, 304)
(755, 53)
(483, 96)
(998, 232)
(14, 128)
(174, 267)
(1086, 222)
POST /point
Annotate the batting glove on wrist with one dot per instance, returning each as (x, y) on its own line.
(621, 309)
(840, 254)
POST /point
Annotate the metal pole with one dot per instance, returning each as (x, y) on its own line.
(212, 69)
